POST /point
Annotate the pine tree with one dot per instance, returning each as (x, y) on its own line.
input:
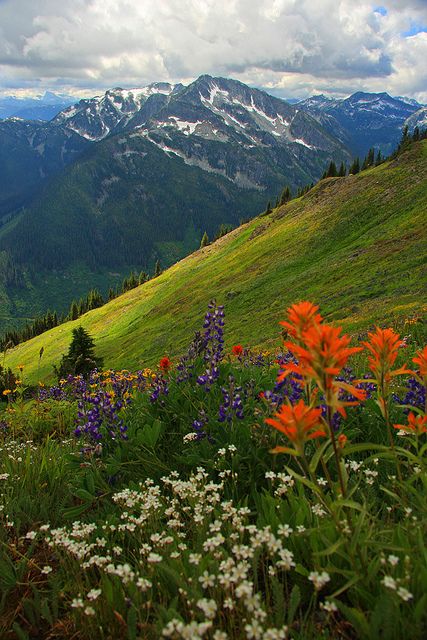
(268, 209)
(74, 311)
(143, 277)
(286, 196)
(331, 171)
(81, 358)
(355, 167)
(342, 170)
(157, 269)
(379, 158)
(204, 241)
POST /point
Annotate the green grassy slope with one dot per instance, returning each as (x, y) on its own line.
(356, 245)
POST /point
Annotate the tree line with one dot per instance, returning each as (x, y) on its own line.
(372, 159)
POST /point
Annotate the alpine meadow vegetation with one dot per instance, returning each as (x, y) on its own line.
(226, 494)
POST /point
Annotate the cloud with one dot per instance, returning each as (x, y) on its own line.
(287, 45)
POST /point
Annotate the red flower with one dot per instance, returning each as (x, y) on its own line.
(384, 346)
(421, 361)
(298, 422)
(416, 424)
(301, 316)
(237, 350)
(165, 364)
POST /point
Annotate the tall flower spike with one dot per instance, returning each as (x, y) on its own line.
(301, 316)
(384, 346)
(299, 423)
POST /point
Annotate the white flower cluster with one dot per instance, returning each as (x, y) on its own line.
(187, 522)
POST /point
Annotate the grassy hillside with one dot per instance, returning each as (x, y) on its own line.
(356, 245)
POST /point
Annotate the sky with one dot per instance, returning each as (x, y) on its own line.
(291, 48)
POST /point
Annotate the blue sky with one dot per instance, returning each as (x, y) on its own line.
(294, 48)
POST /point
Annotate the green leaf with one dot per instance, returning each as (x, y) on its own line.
(317, 456)
(20, 633)
(84, 495)
(132, 621)
(294, 601)
(7, 574)
(356, 618)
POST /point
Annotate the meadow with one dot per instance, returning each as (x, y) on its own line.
(229, 493)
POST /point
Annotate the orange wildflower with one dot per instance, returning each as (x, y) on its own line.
(301, 316)
(298, 422)
(384, 346)
(416, 424)
(321, 355)
(421, 361)
(237, 350)
(342, 440)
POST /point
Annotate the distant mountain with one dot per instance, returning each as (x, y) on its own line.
(363, 120)
(43, 107)
(417, 119)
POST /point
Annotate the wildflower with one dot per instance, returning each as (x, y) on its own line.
(416, 424)
(6, 392)
(165, 364)
(404, 594)
(299, 423)
(46, 569)
(329, 606)
(301, 316)
(319, 579)
(342, 440)
(393, 560)
(237, 350)
(384, 346)
(389, 582)
(421, 361)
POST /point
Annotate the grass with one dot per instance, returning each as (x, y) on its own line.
(355, 245)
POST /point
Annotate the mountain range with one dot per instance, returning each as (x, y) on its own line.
(117, 182)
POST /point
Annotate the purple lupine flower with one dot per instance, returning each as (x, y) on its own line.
(214, 344)
(232, 405)
(415, 395)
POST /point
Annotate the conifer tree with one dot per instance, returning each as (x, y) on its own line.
(342, 170)
(355, 167)
(81, 358)
(331, 171)
(286, 196)
(204, 241)
(157, 269)
(143, 277)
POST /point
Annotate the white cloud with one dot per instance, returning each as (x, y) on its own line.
(289, 46)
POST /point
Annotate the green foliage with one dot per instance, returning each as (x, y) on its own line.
(81, 358)
(204, 241)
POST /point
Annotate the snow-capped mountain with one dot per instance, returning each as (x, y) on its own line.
(97, 117)
(417, 119)
(221, 126)
(363, 120)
